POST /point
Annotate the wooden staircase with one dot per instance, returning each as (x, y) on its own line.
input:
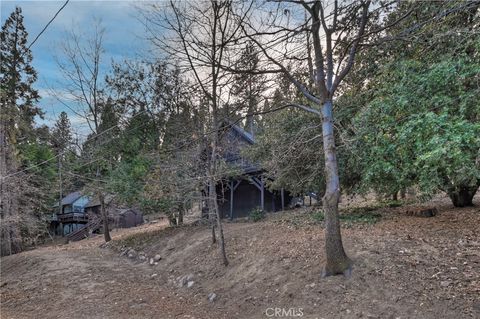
(85, 231)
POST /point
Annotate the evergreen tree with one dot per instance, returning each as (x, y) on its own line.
(17, 76)
(19, 145)
(248, 88)
(62, 134)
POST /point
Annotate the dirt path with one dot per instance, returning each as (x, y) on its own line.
(405, 267)
(82, 280)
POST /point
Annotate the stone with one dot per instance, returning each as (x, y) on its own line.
(151, 262)
(445, 283)
(157, 258)
(181, 281)
(212, 296)
(190, 284)
(142, 258)
(132, 253)
(189, 277)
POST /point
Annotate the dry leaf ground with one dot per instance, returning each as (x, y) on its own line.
(404, 267)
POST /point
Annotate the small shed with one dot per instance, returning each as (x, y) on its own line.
(129, 217)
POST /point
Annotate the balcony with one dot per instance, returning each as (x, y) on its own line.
(72, 218)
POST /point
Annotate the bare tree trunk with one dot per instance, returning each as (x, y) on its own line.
(5, 242)
(106, 231)
(337, 261)
(180, 216)
(213, 197)
(214, 237)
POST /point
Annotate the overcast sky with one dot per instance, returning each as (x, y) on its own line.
(123, 39)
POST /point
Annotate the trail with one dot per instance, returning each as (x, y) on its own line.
(82, 280)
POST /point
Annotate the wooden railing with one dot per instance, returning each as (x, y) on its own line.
(85, 231)
(72, 217)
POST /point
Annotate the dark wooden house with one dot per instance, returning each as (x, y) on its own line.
(70, 215)
(240, 195)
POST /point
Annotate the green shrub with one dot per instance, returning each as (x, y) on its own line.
(363, 218)
(318, 216)
(256, 214)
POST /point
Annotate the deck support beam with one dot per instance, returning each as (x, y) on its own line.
(282, 193)
(233, 186)
(259, 183)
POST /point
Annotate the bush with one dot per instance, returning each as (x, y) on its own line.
(257, 214)
(318, 216)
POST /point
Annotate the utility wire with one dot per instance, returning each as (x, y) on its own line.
(46, 26)
(62, 153)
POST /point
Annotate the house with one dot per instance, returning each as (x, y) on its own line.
(238, 196)
(70, 215)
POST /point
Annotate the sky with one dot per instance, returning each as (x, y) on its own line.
(124, 39)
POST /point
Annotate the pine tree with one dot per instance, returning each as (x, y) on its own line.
(17, 76)
(248, 87)
(62, 134)
(18, 109)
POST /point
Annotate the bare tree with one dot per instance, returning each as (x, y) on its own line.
(197, 39)
(83, 80)
(335, 33)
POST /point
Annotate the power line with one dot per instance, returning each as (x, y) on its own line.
(62, 153)
(46, 26)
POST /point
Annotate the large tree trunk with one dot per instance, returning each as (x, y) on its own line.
(106, 230)
(463, 196)
(337, 261)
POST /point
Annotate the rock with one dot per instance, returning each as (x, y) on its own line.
(157, 257)
(212, 296)
(189, 277)
(142, 258)
(132, 253)
(151, 262)
(445, 283)
(190, 284)
(181, 281)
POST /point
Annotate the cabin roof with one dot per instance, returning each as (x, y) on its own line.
(126, 210)
(96, 201)
(235, 139)
(244, 134)
(69, 199)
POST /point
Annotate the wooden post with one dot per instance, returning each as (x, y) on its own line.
(282, 192)
(233, 186)
(262, 194)
(258, 182)
(231, 199)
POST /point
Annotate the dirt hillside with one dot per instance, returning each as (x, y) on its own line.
(405, 267)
